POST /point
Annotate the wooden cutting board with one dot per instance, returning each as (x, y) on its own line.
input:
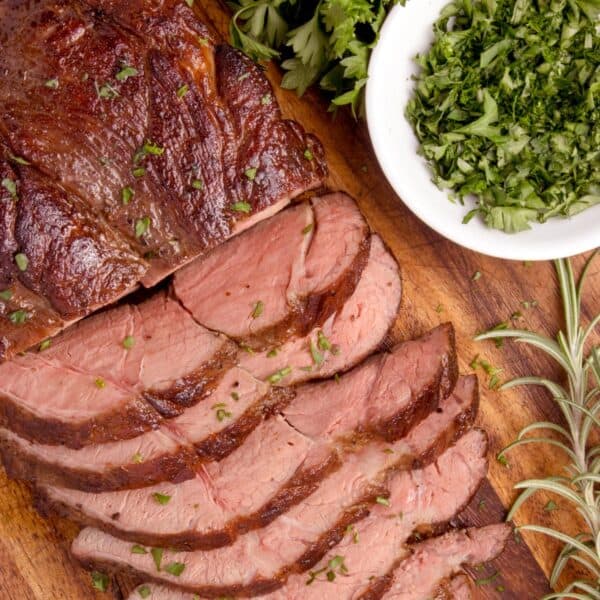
(438, 286)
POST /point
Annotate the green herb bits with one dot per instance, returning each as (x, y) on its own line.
(507, 109)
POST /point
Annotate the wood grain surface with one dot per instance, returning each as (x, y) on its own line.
(438, 286)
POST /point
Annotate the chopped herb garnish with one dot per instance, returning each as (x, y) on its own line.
(202, 41)
(183, 90)
(323, 342)
(527, 304)
(500, 588)
(506, 108)
(266, 100)
(272, 353)
(175, 568)
(163, 499)
(10, 186)
(494, 382)
(152, 149)
(382, 500)
(308, 155)
(279, 375)
(244, 76)
(258, 309)
(157, 555)
(100, 383)
(106, 91)
(190, 3)
(308, 228)
(139, 172)
(141, 226)
(351, 530)
(222, 412)
(550, 506)
(6, 295)
(251, 173)
(45, 345)
(499, 342)
(126, 72)
(243, 207)
(19, 160)
(18, 317)
(144, 591)
(317, 356)
(337, 378)
(52, 83)
(476, 275)
(100, 581)
(336, 563)
(126, 195)
(137, 458)
(128, 342)
(198, 184)
(247, 348)
(137, 549)
(388, 451)
(235, 396)
(490, 370)
(439, 308)
(502, 460)
(481, 504)
(22, 261)
(487, 580)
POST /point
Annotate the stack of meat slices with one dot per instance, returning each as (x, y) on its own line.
(190, 435)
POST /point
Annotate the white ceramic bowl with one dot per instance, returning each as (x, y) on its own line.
(406, 32)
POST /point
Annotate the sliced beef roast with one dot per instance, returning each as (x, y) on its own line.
(434, 560)
(420, 500)
(280, 464)
(284, 276)
(460, 587)
(115, 388)
(133, 142)
(261, 561)
(346, 336)
(206, 431)
(216, 426)
(106, 378)
(355, 330)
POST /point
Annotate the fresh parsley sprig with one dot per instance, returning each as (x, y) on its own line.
(579, 402)
(328, 42)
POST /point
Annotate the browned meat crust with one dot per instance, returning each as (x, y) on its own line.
(428, 398)
(122, 423)
(132, 96)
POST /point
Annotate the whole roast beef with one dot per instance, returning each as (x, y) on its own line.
(131, 141)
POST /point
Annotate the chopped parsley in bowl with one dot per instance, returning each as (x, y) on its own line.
(506, 108)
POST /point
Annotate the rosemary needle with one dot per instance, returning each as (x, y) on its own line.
(579, 402)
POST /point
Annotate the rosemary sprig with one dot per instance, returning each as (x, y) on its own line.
(579, 402)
